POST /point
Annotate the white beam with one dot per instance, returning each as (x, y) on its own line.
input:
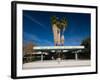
(57, 47)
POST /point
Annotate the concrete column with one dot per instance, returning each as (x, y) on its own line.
(76, 56)
(59, 60)
(41, 56)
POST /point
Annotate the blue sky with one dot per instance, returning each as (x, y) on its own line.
(37, 27)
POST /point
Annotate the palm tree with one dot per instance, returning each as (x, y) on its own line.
(54, 23)
(64, 24)
(58, 33)
(53, 20)
(58, 28)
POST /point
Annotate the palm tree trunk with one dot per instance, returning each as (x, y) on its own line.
(62, 40)
(58, 37)
(55, 34)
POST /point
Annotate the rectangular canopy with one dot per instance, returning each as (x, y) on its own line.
(57, 47)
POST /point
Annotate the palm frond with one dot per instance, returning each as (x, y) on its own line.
(53, 20)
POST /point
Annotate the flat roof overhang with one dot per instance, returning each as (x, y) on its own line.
(42, 48)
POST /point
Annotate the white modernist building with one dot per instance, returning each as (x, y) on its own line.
(42, 49)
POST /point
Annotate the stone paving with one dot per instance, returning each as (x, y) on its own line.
(56, 64)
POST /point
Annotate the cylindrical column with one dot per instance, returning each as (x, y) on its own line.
(76, 56)
(41, 56)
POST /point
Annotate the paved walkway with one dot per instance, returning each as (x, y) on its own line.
(56, 64)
